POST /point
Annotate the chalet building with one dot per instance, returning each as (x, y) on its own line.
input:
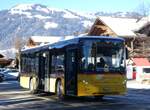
(139, 69)
(109, 26)
(4, 61)
(125, 28)
(40, 40)
(143, 31)
(144, 27)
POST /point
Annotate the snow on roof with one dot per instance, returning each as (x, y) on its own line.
(9, 53)
(121, 26)
(45, 39)
(143, 21)
(141, 62)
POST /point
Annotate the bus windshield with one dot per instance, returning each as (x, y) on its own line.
(98, 55)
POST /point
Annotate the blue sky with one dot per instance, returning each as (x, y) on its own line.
(81, 5)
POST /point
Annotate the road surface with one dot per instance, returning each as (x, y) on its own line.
(13, 97)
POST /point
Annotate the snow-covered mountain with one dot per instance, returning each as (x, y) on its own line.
(25, 20)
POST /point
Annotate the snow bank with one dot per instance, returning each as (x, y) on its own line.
(137, 85)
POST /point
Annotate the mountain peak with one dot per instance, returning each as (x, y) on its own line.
(27, 7)
(23, 7)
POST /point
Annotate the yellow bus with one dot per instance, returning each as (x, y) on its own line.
(82, 66)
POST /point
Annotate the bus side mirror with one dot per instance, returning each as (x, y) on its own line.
(127, 53)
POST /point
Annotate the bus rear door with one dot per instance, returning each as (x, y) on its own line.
(71, 72)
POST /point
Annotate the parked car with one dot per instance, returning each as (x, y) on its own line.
(1, 74)
(11, 74)
(1, 77)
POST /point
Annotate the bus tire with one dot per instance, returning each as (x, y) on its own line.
(59, 90)
(32, 86)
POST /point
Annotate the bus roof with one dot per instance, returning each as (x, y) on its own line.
(64, 42)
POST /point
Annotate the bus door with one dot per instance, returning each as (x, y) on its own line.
(43, 70)
(71, 72)
(46, 71)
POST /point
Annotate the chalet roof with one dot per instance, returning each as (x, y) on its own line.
(120, 26)
(141, 23)
(141, 62)
(45, 39)
(5, 61)
(1, 56)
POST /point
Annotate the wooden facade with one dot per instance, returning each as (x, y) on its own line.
(31, 43)
(99, 28)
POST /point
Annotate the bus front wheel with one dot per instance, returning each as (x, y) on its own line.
(59, 90)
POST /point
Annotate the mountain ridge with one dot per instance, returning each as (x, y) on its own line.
(25, 20)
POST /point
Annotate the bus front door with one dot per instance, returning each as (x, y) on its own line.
(71, 72)
(44, 72)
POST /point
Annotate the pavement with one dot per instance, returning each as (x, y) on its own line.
(13, 97)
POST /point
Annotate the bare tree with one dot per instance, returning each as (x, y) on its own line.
(18, 43)
(143, 8)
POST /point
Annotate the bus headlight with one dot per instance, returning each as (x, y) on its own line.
(85, 82)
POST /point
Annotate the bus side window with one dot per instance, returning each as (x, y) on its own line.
(58, 63)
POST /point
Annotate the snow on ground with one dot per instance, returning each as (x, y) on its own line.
(50, 25)
(20, 12)
(86, 14)
(23, 7)
(39, 8)
(87, 23)
(69, 15)
(41, 17)
(137, 85)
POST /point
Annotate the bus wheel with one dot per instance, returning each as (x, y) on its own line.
(32, 86)
(59, 90)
